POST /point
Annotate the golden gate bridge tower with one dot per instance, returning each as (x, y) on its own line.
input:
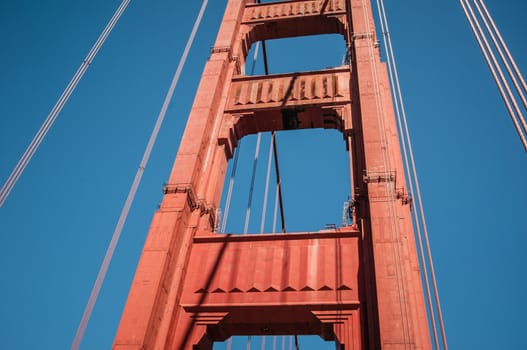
(359, 284)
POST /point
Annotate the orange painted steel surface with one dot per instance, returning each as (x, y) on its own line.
(359, 285)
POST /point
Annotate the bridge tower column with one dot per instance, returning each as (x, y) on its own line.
(360, 284)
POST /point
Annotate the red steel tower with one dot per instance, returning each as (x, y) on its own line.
(358, 285)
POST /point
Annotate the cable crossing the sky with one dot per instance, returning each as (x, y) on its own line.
(133, 189)
(426, 260)
(502, 81)
(55, 111)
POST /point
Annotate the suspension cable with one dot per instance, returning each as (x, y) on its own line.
(278, 182)
(235, 166)
(498, 47)
(502, 42)
(266, 191)
(275, 149)
(231, 186)
(496, 64)
(251, 189)
(401, 112)
(133, 189)
(496, 71)
(57, 108)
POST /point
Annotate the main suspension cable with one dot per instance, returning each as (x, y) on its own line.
(57, 108)
(133, 189)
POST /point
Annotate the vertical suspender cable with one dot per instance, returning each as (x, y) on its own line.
(251, 189)
(266, 191)
(296, 343)
(504, 60)
(275, 151)
(231, 186)
(495, 70)
(278, 182)
(131, 195)
(502, 42)
(413, 175)
(496, 64)
(507, 52)
(249, 204)
(400, 110)
(255, 162)
(52, 116)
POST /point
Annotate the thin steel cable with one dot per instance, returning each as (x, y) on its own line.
(266, 191)
(400, 109)
(504, 60)
(278, 182)
(251, 189)
(413, 175)
(275, 149)
(505, 47)
(57, 108)
(255, 162)
(133, 189)
(231, 186)
(271, 150)
(275, 212)
(495, 70)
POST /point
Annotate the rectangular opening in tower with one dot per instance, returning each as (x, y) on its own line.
(315, 182)
(286, 342)
(299, 54)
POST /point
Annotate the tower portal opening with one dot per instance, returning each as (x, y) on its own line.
(299, 54)
(315, 181)
(285, 342)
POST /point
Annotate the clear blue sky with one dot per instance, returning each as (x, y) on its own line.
(56, 224)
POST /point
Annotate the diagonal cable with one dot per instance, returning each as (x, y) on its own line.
(52, 116)
(131, 194)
